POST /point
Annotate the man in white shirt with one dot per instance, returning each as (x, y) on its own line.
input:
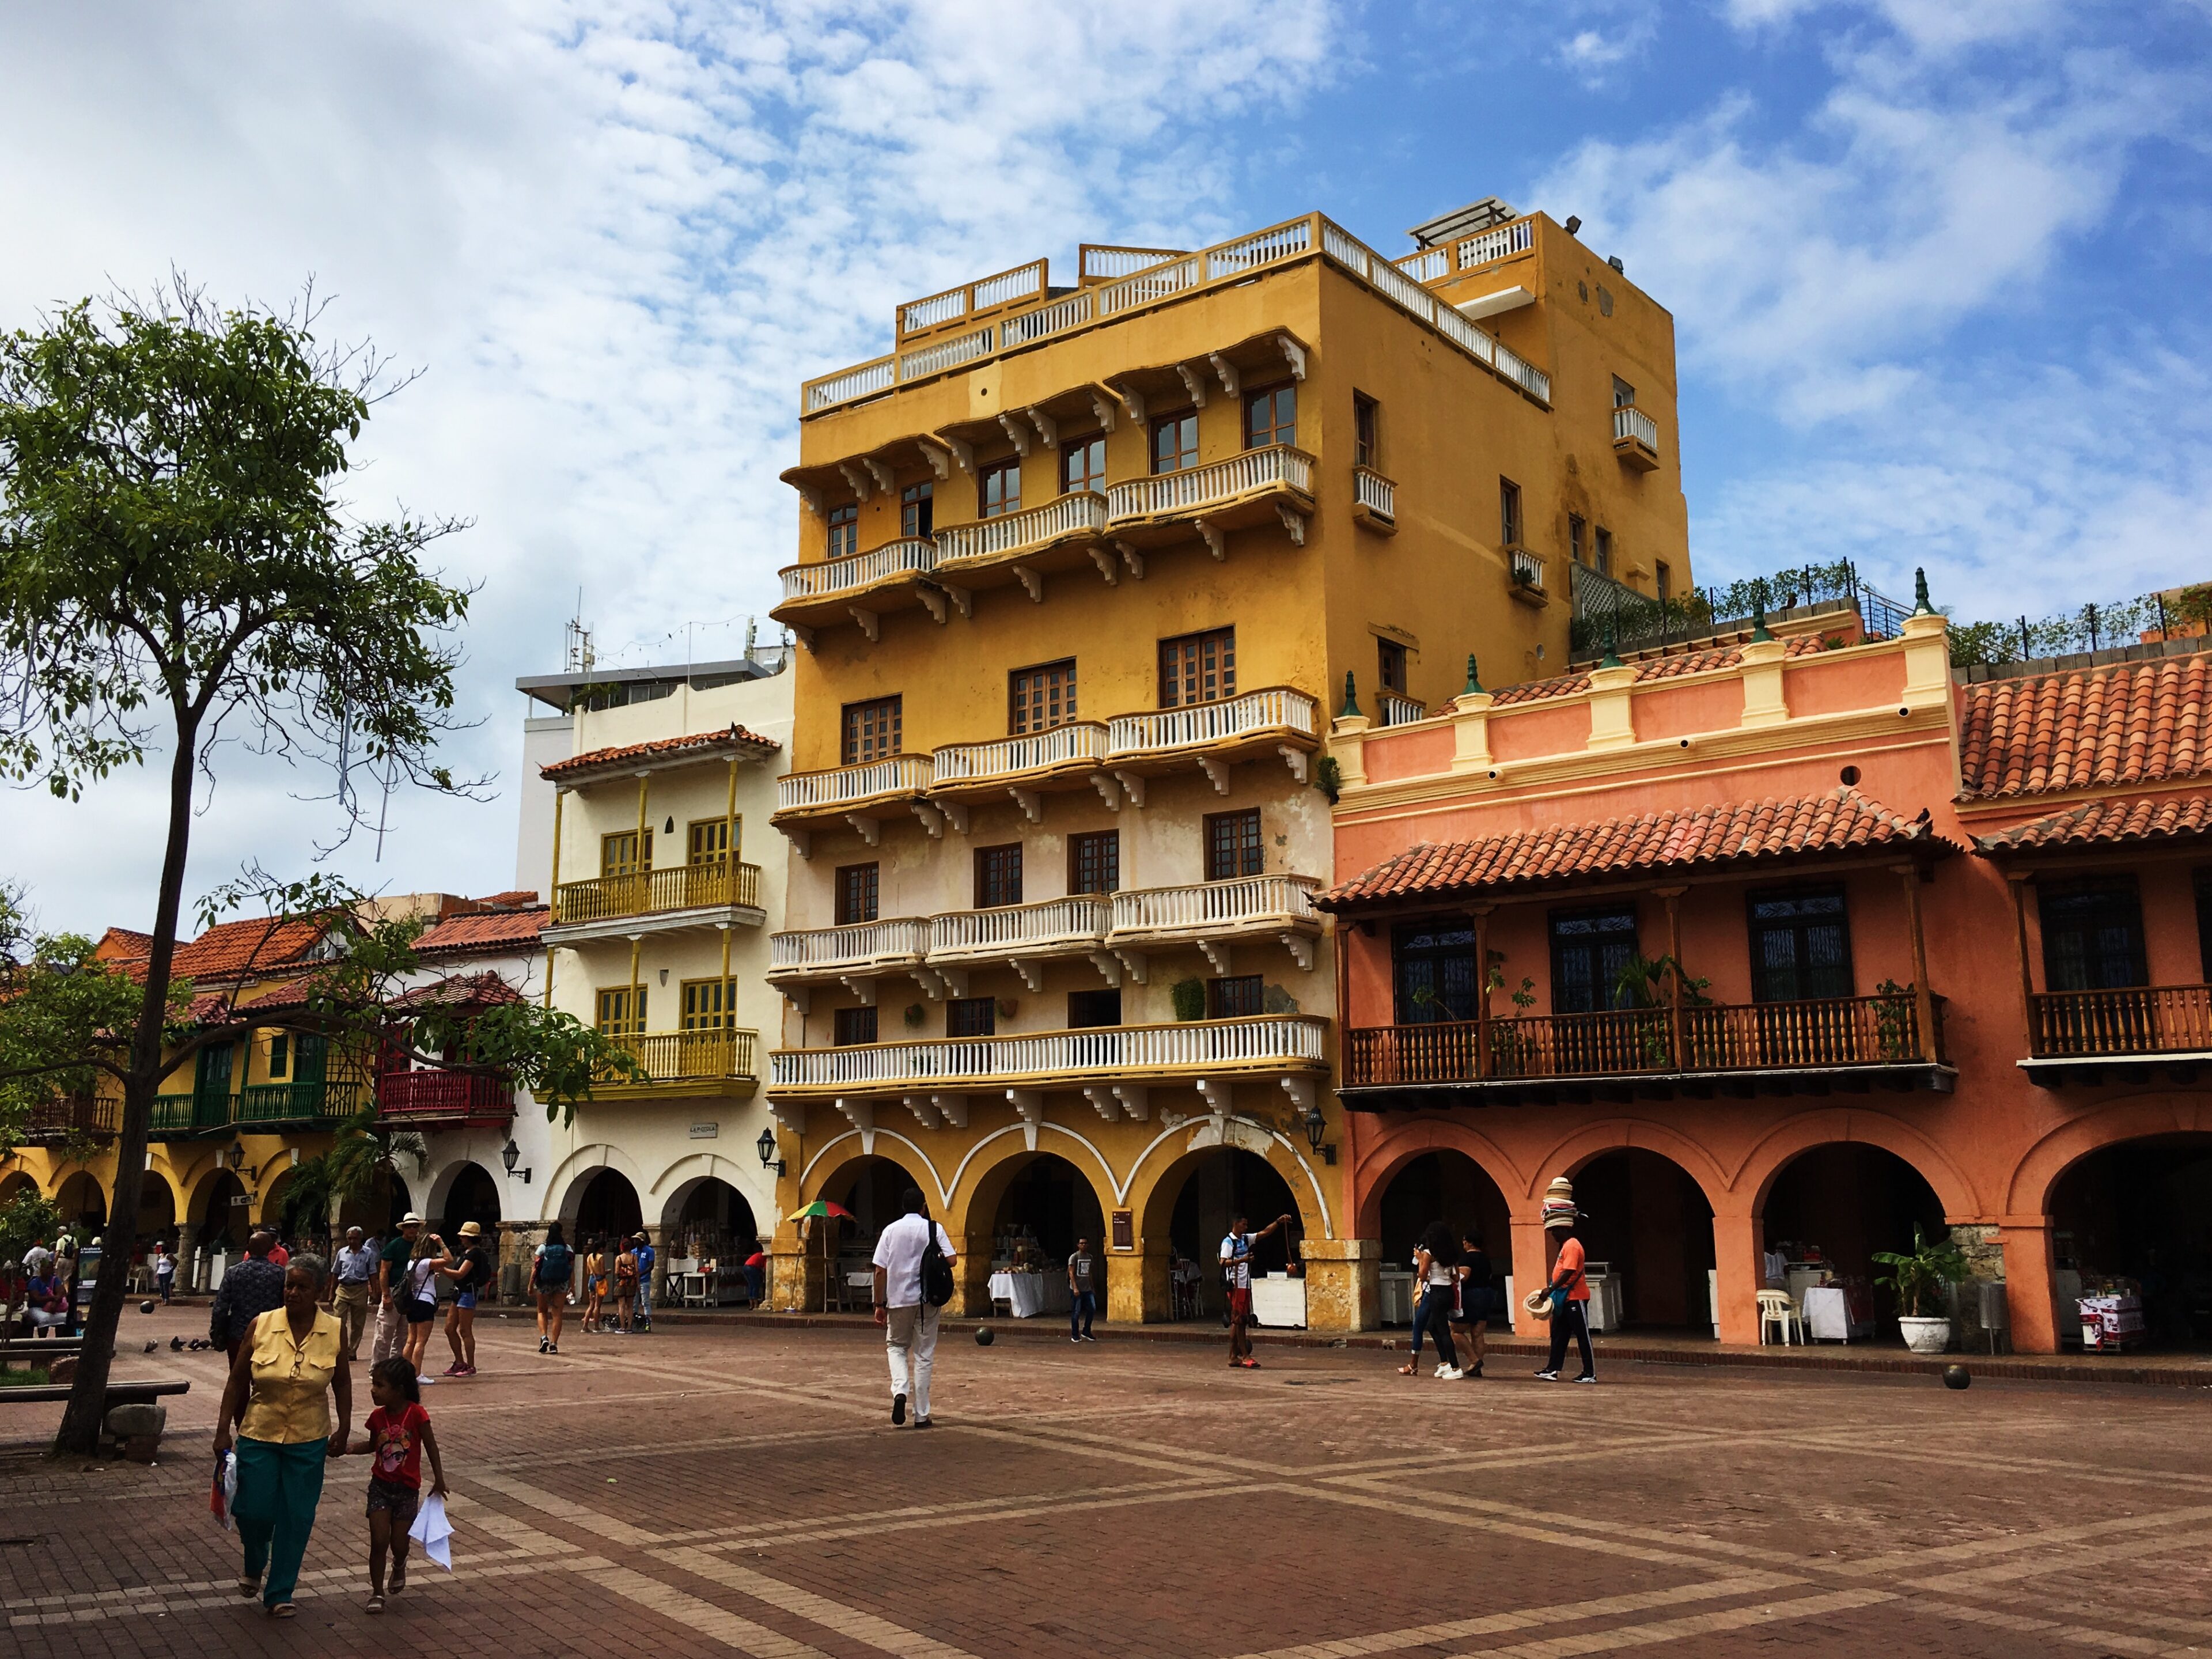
(1236, 1278)
(351, 1271)
(38, 1260)
(909, 1321)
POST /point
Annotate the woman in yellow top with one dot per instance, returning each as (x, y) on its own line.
(278, 1396)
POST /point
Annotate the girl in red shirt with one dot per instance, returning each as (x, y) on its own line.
(396, 1435)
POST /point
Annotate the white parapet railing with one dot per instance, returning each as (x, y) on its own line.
(1425, 266)
(1289, 1041)
(1400, 281)
(1372, 491)
(1150, 286)
(1528, 568)
(1401, 711)
(899, 775)
(971, 763)
(861, 380)
(1022, 283)
(1083, 512)
(1202, 907)
(1008, 929)
(830, 576)
(1633, 424)
(924, 361)
(1101, 263)
(1264, 247)
(1523, 373)
(1215, 484)
(1277, 709)
(1495, 244)
(824, 950)
(1057, 318)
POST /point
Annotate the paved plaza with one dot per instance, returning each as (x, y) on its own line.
(739, 1489)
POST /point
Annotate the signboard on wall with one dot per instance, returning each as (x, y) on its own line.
(706, 1131)
(1125, 1231)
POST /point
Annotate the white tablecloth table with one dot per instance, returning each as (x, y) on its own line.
(1828, 1317)
(1030, 1294)
(1279, 1300)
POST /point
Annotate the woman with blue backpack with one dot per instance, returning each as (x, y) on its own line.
(551, 1268)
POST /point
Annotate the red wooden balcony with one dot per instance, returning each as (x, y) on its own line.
(421, 1097)
(2073, 1035)
(92, 1115)
(1809, 1047)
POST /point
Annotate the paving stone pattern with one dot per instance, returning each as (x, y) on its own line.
(738, 1490)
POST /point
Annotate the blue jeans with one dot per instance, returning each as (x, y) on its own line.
(755, 1285)
(1434, 1316)
(1079, 1311)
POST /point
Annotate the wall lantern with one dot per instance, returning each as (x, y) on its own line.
(766, 1147)
(236, 1155)
(511, 1155)
(1316, 1126)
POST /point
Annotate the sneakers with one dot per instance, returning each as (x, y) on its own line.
(1443, 1369)
(457, 1369)
(1075, 1338)
(1586, 1377)
(553, 1347)
(543, 1344)
(925, 1422)
(898, 1410)
(1548, 1376)
(1087, 1337)
(1450, 1373)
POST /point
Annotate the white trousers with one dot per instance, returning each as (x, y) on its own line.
(390, 1333)
(910, 1339)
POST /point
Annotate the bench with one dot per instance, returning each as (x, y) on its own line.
(117, 1394)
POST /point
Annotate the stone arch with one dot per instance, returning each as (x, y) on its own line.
(16, 1182)
(269, 1211)
(2027, 1192)
(459, 1181)
(1402, 1145)
(78, 1194)
(836, 1155)
(1008, 1149)
(1782, 1143)
(684, 1182)
(978, 1208)
(1593, 1140)
(1160, 1169)
(565, 1191)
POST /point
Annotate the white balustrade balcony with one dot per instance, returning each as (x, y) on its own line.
(1636, 438)
(1051, 927)
(1244, 488)
(826, 586)
(1078, 516)
(1197, 1048)
(1526, 569)
(861, 947)
(841, 788)
(1400, 711)
(1265, 906)
(1077, 748)
(1374, 500)
(1256, 718)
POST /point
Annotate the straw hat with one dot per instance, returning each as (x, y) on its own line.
(410, 1219)
(1559, 1204)
(471, 1229)
(1537, 1302)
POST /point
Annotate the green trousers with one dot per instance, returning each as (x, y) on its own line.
(278, 1487)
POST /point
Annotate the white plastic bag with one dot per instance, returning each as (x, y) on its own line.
(226, 1485)
(433, 1532)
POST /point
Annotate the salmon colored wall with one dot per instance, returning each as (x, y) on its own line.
(1680, 710)
(1420, 750)
(1829, 684)
(1516, 733)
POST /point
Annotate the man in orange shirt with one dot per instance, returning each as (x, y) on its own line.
(1569, 1315)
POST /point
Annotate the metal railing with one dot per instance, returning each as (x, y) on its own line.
(1812, 1035)
(1394, 710)
(856, 944)
(293, 1102)
(1278, 466)
(1631, 424)
(1372, 490)
(656, 892)
(1081, 512)
(910, 555)
(2144, 1019)
(970, 763)
(1201, 908)
(1610, 613)
(1277, 709)
(1292, 1041)
(1013, 927)
(443, 1094)
(673, 1056)
(898, 775)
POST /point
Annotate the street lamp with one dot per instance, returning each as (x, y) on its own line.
(511, 1155)
(766, 1147)
(236, 1155)
(1316, 1126)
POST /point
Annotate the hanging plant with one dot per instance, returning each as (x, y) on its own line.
(913, 1015)
(1188, 997)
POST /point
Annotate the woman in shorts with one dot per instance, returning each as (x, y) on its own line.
(419, 1295)
(551, 1268)
(1477, 1298)
(595, 1282)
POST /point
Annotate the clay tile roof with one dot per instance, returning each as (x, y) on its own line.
(520, 898)
(460, 991)
(246, 950)
(484, 930)
(1745, 832)
(123, 945)
(1655, 668)
(749, 744)
(2110, 823)
(2130, 723)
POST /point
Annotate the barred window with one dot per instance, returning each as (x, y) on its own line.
(872, 730)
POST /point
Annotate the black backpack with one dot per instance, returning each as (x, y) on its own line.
(936, 1270)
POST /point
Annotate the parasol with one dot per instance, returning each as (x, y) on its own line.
(820, 1206)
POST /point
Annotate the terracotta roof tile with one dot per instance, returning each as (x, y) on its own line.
(2110, 823)
(1655, 668)
(484, 930)
(123, 945)
(595, 760)
(233, 951)
(1768, 831)
(460, 991)
(520, 898)
(2131, 723)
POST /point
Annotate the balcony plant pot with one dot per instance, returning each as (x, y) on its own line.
(1926, 1336)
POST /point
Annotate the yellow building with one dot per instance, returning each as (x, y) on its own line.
(1084, 572)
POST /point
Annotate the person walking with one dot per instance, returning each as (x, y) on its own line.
(164, 1270)
(641, 1248)
(392, 1265)
(1435, 1272)
(471, 1276)
(277, 1253)
(756, 1275)
(595, 1284)
(1570, 1292)
(904, 1308)
(352, 1273)
(253, 1288)
(1086, 1278)
(396, 1435)
(418, 1295)
(625, 1286)
(552, 1265)
(278, 1401)
(1237, 1282)
(1477, 1299)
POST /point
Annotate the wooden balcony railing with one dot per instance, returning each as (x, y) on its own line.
(1292, 1041)
(2146, 1019)
(190, 1111)
(1216, 484)
(1075, 743)
(840, 786)
(650, 892)
(826, 578)
(672, 1056)
(72, 1115)
(1813, 1035)
(296, 1103)
(1213, 906)
(428, 1094)
(1081, 513)
(1199, 723)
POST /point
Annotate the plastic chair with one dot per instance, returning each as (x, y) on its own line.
(1780, 1308)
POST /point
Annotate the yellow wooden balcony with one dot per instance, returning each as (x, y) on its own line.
(1274, 484)
(684, 894)
(685, 1065)
(856, 588)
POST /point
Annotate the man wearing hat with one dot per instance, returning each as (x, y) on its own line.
(1570, 1312)
(391, 1268)
(471, 1276)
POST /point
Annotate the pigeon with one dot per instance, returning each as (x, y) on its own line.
(176, 1344)
(150, 1346)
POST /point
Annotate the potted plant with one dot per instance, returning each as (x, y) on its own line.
(1922, 1280)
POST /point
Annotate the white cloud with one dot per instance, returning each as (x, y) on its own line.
(617, 235)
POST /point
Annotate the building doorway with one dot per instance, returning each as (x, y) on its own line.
(1445, 1186)
(607, 1208)
(1833, 1208)
(474, 1196)
(1223, 1184)
(1648, 1225)
(82, 1205)
(2136, 1218)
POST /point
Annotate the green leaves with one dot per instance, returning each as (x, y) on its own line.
(1921, 1277)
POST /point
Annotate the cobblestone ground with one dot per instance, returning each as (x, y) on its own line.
(740, 1490)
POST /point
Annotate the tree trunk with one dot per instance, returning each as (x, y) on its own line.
(82, 1420)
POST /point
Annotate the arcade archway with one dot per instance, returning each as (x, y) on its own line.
(1438, 1185)
(1213, 1188)
(82, 1204)
(1647, 1224)
(472, 1195)
(1835, 1207)
(2137, 1218)
(607, 1207)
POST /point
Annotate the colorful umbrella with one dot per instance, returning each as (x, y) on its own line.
(820, 1206)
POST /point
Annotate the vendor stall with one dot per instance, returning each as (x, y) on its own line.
(1029, 1294)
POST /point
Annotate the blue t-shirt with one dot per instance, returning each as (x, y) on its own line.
(644, 1255)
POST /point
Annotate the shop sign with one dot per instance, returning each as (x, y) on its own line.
(1125, 1231)
(706, 1131)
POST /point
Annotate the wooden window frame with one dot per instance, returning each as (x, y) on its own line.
(1020, 723)
(610, 866)
(1224, 672)
(1225, 995)
(842, 531)
(845, 880)
(1071, 448)
(845, 1021)
(849, 734)
(1366, 432)
(1390, 664)
(1079, 881)
(1555, 947)
(1578, 538)
(1005, 851)
(1175, 421)
(1096, 997)
(1008, 505)
(1602, 550)
(1510, 525)
(1216, 824)
(1275, 431)
(1755, 928)
(918, 511)
(982, 1010)
(710, 830)
(691, 992)
(631, 1023)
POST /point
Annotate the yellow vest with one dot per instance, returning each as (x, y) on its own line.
(289, 1402)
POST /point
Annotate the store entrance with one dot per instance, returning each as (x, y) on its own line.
(606, 1210)
(2135, 1221)
(1649, 1224)
(1221, 1185)
(1446, 1186)
(1047, 1205)
(1830, 1210)
(474, 1196)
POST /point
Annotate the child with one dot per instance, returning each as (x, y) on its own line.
(398, 1433)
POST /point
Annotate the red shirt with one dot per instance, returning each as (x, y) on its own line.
(279, 1256)
(396, 1443)
(1569, 1263)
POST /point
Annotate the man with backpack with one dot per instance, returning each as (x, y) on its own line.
(913, 1281)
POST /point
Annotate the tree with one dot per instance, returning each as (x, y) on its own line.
(177, 566)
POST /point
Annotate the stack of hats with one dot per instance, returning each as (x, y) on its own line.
(1559, 1204)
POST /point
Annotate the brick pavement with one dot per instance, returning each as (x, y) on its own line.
(728, 1491)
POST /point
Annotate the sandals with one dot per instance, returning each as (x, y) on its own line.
(249, 1586)
(1409, 1370)
(398, 1580)
(375, 1605)
(283, 1610)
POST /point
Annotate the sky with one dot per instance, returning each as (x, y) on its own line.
(1936, 269)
